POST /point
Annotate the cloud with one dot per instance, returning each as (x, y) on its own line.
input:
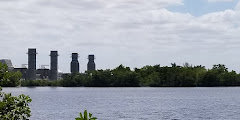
(130, 32)
(220, 1)
(238, 6)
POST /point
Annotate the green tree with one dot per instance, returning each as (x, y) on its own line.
(154, 80)
(123, 77)
(230, 79)
(14, 108)
(11, 107)
(156, 76)
(68, 80)
(8, 78)
(100, 78)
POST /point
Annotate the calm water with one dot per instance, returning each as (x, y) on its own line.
(58, 103)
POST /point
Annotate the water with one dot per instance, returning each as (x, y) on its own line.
(58, 103)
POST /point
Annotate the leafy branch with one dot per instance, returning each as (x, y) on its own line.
(86, 116)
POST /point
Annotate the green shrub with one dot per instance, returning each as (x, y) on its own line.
(85, 117)
(14, 108)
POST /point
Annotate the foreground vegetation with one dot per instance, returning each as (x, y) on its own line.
(14, 108)
(11, 107)
(85, 116)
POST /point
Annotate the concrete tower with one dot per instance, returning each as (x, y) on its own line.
(53, 65)
(91, 64)
(31, 72)
(74, 63)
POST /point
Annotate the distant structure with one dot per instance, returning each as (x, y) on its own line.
(91, 64)
(8, 62)
(53, 65)
(74, 63)
(42, 73)
(24, 65)
(31, 73)
(23, 71)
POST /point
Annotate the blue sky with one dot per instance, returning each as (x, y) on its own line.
(201, 7)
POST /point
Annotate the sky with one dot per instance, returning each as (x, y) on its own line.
(134, 33)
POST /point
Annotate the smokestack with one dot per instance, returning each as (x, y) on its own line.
(91, 64)
(31, 64)
(74, 63)
(53, 65)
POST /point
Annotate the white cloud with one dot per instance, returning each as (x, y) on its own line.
(238, 6)
(129, 32)
(220, 0)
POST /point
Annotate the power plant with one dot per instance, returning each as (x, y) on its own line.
(31, 73)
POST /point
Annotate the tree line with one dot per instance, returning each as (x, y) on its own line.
(153, 76)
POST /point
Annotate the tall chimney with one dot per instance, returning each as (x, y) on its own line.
(53, 65)
(74, 63)
(91, 64)
(31, 74)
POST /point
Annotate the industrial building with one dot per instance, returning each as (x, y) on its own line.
(43, 73)
(31, 73)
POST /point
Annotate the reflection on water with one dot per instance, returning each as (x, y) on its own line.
(58, 103)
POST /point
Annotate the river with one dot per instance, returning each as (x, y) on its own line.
(143, 103)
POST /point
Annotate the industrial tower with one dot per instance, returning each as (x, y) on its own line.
(91, 64)
(53, 65)
(31, 74)
(74, 63)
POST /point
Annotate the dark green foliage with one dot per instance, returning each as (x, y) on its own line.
(7, 78)
(14, 108)
(119, 77)
(217, 76)
(124, 77)
(231, 79)
(11, 107)
(25, 83)
(153, 76)
(156, 76)
(85, 116)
